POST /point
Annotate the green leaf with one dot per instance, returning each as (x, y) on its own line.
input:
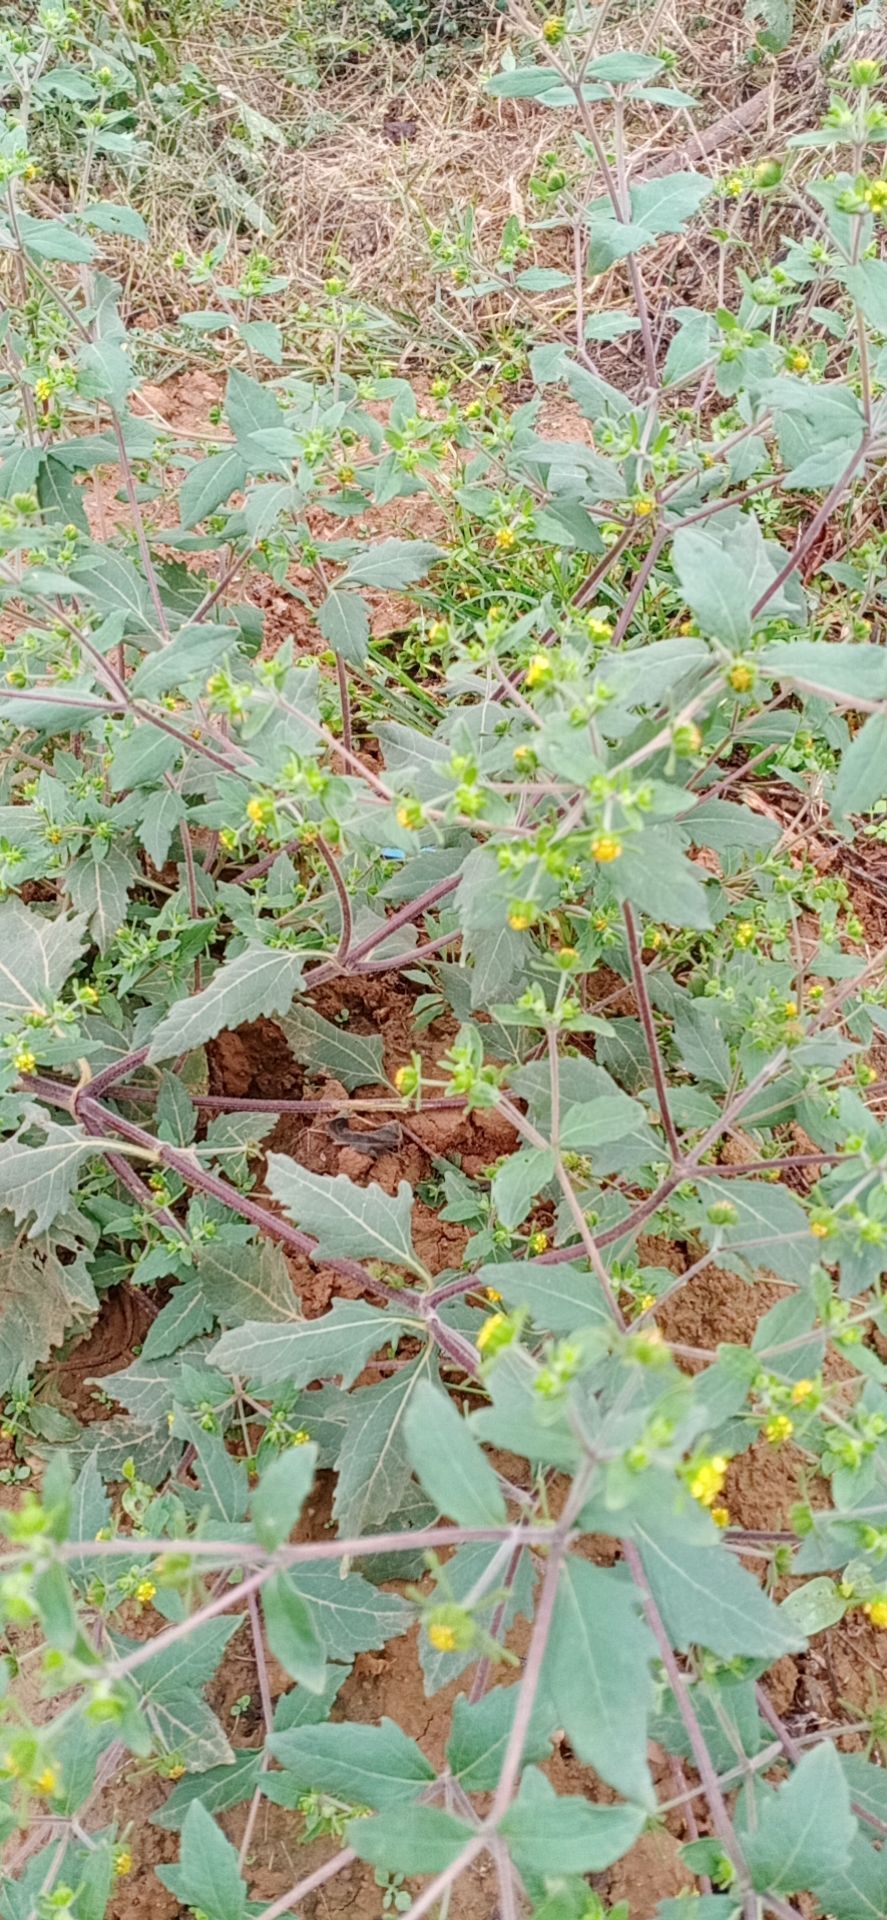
(41, 1299)
(666, 204)
(722, 571)
(208, 1875)
(867, 285)
(209, 484)
(108, 216)
(451, 1466)
(354, 1058)
(337, 1345)
(263, 337)
(281, 1494)
(373, 1464)
(479, 1737)
(523, 83)
(262, 980)
(183, 1318)
(344, 622)
(292, 1633)
(352, 1616)
(99, 888)
(653, 874)
(706, 1598)
(52, 240)
(814, 1606)
(410, 1839)
(222, 1478)
(862, 776)
(594, 1123)
(361, 1223)
(391, 563)
(856, 1890)
(249, 406)
(366, 1766)
(36, 1181)
(516, 1183)
(142, 758)
(597, 1670)
(805, 1830)
(217, 1790)
(550, 1833)
(826, 666)
(561, 1299)
(246, 1283)
(36, 956)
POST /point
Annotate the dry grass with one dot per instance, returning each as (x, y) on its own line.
(375, 143)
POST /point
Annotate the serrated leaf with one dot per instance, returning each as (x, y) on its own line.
(217, 1789)
(451, 1466)
(862, 775)
(373, 1463)
(100, 890)
(344, 622)
(222, 1479)
(361, 1223)
(856, 1890)
(36, 957)
(281, 1493)
(594, 1123)
(247, 1283)
(292, 1633)
(207, 1876)
(391, 563)
(182, 1319)
(262, 980)
(805, 1830)
(561, 1299)
(337, 1345)
(665, 205)
(551, 1833)
(517, 1182)
(706, 1598)
(351, 1615)
(480, 1731)
(354, 1058)
(36, 1181)
(210, 484)
(366, 1766)
(410, 1839)
(597, 1670)
(142, 758)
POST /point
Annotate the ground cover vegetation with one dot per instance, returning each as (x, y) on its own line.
(443, 779)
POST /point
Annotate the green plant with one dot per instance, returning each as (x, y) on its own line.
(194, 834)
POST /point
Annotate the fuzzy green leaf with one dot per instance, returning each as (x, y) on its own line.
(452, 1467)
(348, 1221)
(262, 980)
(336, 1346)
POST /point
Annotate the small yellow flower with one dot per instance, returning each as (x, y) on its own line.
(300, 1438)
(687, 627)
(708, 1480)
(721, 1516)
(176, 1771)
(47, 1781)
(24, 1060)
(145, 1592)
(538, 670)
(257, 811)
(745, 933)
(799, 361)
(741, 676)
(43, 390)
(522, 755)
(438, 632)
(877, 1612)
(521, 917)
(598, 629)
(790, 1009)
(538, 1242)
(642, 507)
(496, 614)
(442, 1637)
(647, 1300)
(606, 847)
(875, 196)
(821, 1227)
(734, 186)
(801, 1391)
(123, 1862)
(228, 839)
(489, 1330)
(493, 1293)
(505, 539)
(404, 816)
(345, 476)
(778, 1429)
(553, 30)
